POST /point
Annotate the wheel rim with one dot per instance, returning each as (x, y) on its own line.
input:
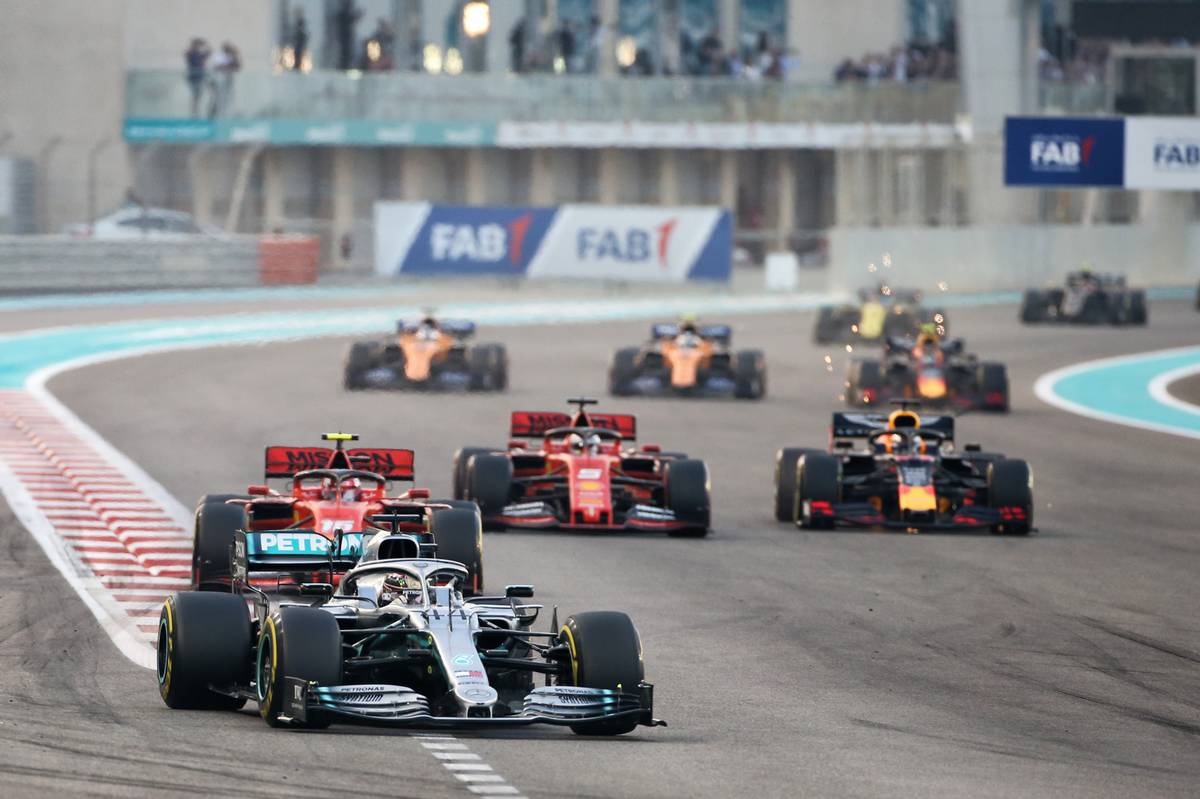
(164, 650)
(264, 670)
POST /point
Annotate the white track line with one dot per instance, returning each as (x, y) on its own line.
(466, 766)
(1044, 389)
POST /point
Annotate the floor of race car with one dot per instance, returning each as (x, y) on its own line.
(787, 663)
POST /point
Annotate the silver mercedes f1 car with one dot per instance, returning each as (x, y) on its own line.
(394, 643)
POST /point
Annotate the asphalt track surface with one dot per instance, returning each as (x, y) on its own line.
(1186, 389)
(787, 663)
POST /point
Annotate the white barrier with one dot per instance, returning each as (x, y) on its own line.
(1011, 257)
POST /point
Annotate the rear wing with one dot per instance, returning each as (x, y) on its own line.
(459, 328)
(722, 333)
(393, 464)
(530, 424)
(291, 550)
(865, 425)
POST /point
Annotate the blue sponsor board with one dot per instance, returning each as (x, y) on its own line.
(1064, 151)
(460, 240)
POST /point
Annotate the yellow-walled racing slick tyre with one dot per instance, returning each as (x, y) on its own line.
(204, 640)
(605, 652)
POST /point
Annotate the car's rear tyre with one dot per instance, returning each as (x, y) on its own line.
(488, 365)
(786, 462)
(216, 522)
(750, 374)
(489, 482)
(459, 537)
(993, 386)
(462, 459)
(362, 357)
(605, 652)
(1033, 307)
(866, 383)
(1010, 485)
(688, 497)
(622, 371)
(203, 639)
(296, 642)
(818, 479)
(1139, 312)
(825, 331)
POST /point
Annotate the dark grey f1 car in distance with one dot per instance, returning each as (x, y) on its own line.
(1087, 299)
(395, 642)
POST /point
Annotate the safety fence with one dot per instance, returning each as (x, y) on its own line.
(66, 263)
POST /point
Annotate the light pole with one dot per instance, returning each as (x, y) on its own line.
(43, 179)
(93, 153)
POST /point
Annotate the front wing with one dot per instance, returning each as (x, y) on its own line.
(543, 515)
(864, 514)
(397, 705)
(653, 385)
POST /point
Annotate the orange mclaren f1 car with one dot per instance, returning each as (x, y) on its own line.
(687, 359)
(431, 354)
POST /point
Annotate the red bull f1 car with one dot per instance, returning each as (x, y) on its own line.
(581, 472)
(691, 360)
(901, 471)
(396, 641)
(937, 374)
(332, 490)
(431, 354)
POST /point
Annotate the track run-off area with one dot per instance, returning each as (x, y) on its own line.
(786, 662)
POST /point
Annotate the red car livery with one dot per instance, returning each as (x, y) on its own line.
(581, 472)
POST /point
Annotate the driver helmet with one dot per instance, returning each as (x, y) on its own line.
(592, 442)
(889, 444)
(400, 587)
(688, 341)
(428, 329)
(575, 442)
(328, 489)
(351, 490)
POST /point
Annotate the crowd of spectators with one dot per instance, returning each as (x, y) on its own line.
(902, 63)
(1085, 65)
(211, 74)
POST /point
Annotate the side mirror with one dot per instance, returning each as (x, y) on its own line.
(843, 444)
(258, 490)
(316, 589)
(418, 493)
(651, 448)
(516, 443)
(518, 591)
(973, 448)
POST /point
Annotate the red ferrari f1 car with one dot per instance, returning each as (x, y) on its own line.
(333, 495)
(579, 472)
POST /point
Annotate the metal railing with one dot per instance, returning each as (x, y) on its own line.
(410, 97)
(65, 263)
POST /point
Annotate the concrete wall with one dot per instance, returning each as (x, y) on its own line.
(1006, 257)
(823, 33)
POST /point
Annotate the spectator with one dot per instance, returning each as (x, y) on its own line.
(225, 65)
(344, 21)
(299, 40)
(516, 46)
(195, 59)
(566, 46)
(379, 48)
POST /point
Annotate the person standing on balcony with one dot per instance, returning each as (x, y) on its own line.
(225, 65)
(344, 21)
(195, 60)
(299, 40)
